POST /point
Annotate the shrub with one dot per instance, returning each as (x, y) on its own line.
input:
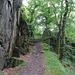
(69, 52)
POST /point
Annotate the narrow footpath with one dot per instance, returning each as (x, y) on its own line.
(36, 65)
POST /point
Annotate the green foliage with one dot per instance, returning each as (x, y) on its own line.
(17, 62)
(69, 71)
(53, 65)
(22, 8)
(70, 28)
(68, 67)
(51, 58)
(69, 62)
(48, 13)
(46, 32)
(38, 31)
(69, 51)
(23, 64)
(0, 72)
(47, 47)
(16, 74)
(44, 44)
(51, 48)
(23, 12)
(42, 51)
(30, 39)
(37, 36)
(32, 51)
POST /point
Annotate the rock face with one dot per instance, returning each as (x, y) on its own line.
(9, 20)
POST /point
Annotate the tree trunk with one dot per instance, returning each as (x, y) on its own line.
(58, 40)
(63, 30)
(58, 43)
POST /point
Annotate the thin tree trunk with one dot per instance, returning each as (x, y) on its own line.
(58, 44)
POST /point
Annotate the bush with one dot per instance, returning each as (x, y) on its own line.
(69, 52)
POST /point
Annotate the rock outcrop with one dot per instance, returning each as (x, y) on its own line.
(9, 20)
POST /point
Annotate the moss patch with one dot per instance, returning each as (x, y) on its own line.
(17, 62)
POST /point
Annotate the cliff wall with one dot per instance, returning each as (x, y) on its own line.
(9, 21)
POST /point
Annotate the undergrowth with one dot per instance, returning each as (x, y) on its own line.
(53, 65)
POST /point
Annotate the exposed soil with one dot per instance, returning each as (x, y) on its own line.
(36, 65)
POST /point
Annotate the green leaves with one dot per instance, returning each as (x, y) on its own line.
(49, 12)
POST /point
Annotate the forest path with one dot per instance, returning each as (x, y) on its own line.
(36, 65)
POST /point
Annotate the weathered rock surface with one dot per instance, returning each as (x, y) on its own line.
(9, 20)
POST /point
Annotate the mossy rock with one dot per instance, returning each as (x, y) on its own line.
(16, 52)
(16, 62)
(25, 50)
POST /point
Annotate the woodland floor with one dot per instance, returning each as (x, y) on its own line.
(36, 65)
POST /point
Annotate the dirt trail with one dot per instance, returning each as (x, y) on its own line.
(36, 65)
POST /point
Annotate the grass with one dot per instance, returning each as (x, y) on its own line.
(41, 51)
(23, 64)
(16, 74)
(53, 65)
(0, 72)
(32, 51)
